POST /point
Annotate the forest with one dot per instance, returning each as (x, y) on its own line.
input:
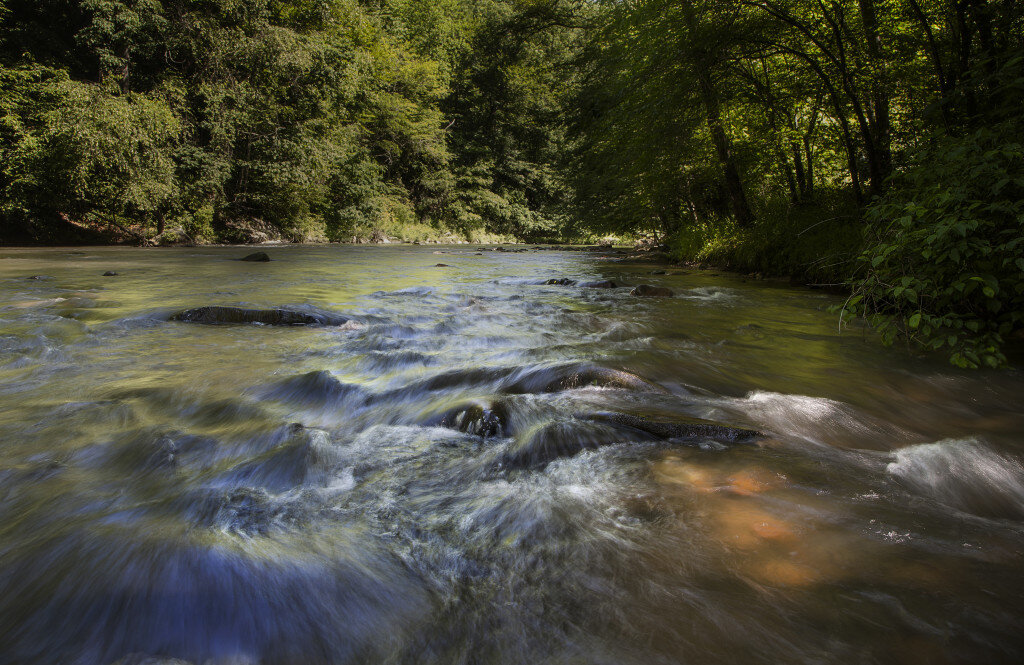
(875, 145)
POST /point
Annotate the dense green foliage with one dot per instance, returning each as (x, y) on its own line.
(872, 143)
(237, 120)
(946, 268)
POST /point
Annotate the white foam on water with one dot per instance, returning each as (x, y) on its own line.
(711, 294)
(964, 474)
(816, 419)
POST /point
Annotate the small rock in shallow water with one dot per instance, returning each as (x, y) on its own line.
(256, 256)
(603, 284)
(270, 317)
(564, 281)
(110, 273)
(442, 265)
(647, 290)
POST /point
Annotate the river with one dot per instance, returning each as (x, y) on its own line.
(442, 478)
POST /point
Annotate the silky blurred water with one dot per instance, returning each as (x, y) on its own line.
(245, 494)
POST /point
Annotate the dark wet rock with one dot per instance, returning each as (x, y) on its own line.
(542, 444)
(442, 265)
(677, 429)
(525, 380)
(39, 277)
(271, 317)
(603, 284)
(575, 375)
(564, 281)
(477, 418)
(110, 273)
(256, 256)
(659, 272)
(646, 290)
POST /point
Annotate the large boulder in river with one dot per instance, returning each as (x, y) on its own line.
(646, 290)
(256, 256)
(217, 315)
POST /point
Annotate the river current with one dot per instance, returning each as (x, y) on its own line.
(452, 470)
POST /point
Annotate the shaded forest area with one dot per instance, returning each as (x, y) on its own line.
(875, 144)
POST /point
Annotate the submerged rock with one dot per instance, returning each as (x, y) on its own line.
(603, 284)
(312, 389)
(576, 375)
(216, 315)
(145, 659)
(543, 444)
(110, 273)
(256, 256)
(564, 281)
(303, 457)
(647, 290)
(693, 428)
(546, 442)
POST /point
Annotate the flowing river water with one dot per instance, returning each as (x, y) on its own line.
(442, 474)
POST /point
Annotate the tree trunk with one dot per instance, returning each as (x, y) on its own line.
(713, 114)
(798, 164)
(879, 147)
